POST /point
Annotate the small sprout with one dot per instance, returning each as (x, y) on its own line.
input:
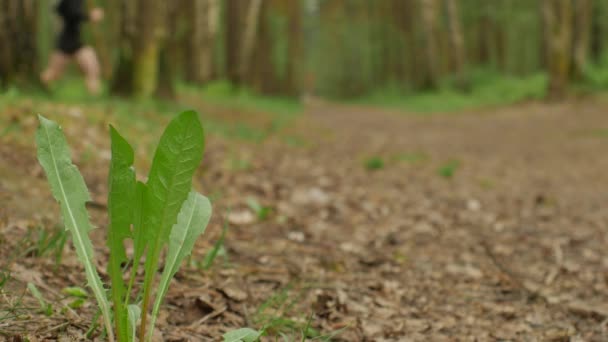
(374, 163)
(262, 212)
(449, 169)
(75, 291)
(218, 247)
(76, 303)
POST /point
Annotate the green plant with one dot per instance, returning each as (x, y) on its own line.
(163, 213)
(46, 242)
(261, 211)
(374, 163)
(44, 306)
(217, 248)
(448, 169)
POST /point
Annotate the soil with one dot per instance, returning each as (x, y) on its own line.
(489, 225)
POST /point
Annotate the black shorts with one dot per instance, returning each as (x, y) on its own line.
(69, 43)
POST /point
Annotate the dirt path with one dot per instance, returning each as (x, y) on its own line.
(481, 226)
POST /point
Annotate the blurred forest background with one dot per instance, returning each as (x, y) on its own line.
(379, 50)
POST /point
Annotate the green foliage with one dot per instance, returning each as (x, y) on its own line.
(191, 223)
(75, 291)
(164, 211)
(120, 213)
(261, 211)
(218, 246)
(448, 169)
(46, 242)
(225, 94)
(374, 163)
(487, 89)
(69, 189)
(79, 295)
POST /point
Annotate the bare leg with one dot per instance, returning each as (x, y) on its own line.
(55, 68)
(89, 64)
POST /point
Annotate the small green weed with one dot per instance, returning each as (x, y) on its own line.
(448, 169)
(273, 315)
(44, 242)
(374, 163)
(218, 248)
(262, 212)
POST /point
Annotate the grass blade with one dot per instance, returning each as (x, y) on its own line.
(69, 189)
(44, 306)
(120, 212)
(179, 153)
(191, 223)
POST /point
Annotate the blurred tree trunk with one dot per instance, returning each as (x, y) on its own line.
(457, 49)
(294, 46)
(232, 44)
(18, 41)
(430, 11)
(123, 13)
(582, 36)
(147, 47)
(250, 33)
(169, 50)
(558, 19)
(204, 21)
(263, 77)
(485, 29)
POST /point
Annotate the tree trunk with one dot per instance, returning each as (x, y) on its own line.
(204, 20)
(582, 38)
(232, 41)
(18, 42)
(249, 39)
(294, 41)
(147, 47)
(457, 52)
(429, 10)
(558, 18)
(169, 53)
(123, 13)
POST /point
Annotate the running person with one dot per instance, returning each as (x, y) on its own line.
(69, 45)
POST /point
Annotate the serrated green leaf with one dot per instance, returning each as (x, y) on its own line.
(242, 335)
(191, 223)
(69, 189)
(134, 314)
(177, 156)
(121, 196)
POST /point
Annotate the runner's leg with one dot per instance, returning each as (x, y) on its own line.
(89, 64)
(55, 68)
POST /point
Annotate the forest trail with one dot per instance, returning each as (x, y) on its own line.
(489, 225)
